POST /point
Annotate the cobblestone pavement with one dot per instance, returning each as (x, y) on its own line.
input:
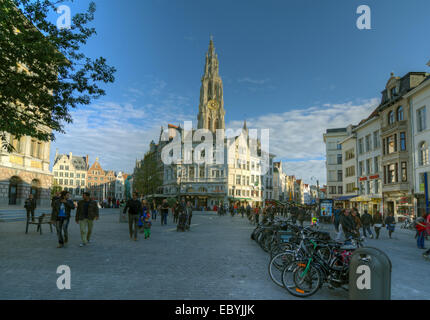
(215, 260)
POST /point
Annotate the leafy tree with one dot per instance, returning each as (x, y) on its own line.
(147, 176)
(55, 188)
(43, 72)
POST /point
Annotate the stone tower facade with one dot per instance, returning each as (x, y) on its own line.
(211, 105)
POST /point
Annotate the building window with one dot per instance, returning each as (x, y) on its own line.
(71, 182)
(71, 174)
(376, 142)
(339, 146)
(424, 154)
(375, 165)
(404, 172)
(332, 190)
(390, 117)
(83, 175)
(393, 92)
(360, 168)
(391, 173)
(339, 159)
(376, 186)
(421, 119)
(402, 141)
(16, 143)
(55, 173)
(61, 167)
(400, 114)
(391, 144)
(238, 179)
(66, 182)
(339, 175)
(66, 174)
(368, 146)
(350, 171)
(360, 146)
(368, 166)
(339, 190)
(61, 174)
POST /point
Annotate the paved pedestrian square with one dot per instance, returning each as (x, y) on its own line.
(215, 260)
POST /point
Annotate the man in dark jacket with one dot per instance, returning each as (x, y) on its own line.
(367, 221)
(61, 216)
(30, 206)
(390, 222)
(86, 213)
(134, 207)
(347, 224)
(301, 216)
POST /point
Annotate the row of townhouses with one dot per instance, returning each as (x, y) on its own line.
(381, 164)
(74, 174)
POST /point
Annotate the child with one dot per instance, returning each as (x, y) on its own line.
(147, 225)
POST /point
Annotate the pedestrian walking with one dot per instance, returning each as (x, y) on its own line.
(61, 217)
(390, 222)
(347, 223)
(357, 222)
(367, 221)
(30, 206)
(134, 207)
(189, 210)
(339, 230)
(377, 223)
(421, 226)
(86, 213)
(142, 215)
(336, 219)
(154, 210)
(164, 212)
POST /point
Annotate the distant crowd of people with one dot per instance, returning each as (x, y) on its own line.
(347, 222)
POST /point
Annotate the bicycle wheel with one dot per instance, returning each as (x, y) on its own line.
(301, 278)
(277, 265)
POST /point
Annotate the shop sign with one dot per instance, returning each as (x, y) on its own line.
(363, 179)
(376, 176)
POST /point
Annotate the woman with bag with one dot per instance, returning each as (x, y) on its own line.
(390, 222)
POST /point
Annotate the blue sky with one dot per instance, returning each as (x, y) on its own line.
(297, 67)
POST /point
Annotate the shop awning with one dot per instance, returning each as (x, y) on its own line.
(240, 199)
(345, 198)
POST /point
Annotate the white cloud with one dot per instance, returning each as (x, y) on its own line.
(310, 171)
(298, 134)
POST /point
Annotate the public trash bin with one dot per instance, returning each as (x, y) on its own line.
(369, 275)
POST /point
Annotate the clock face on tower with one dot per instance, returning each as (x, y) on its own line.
(212, 104)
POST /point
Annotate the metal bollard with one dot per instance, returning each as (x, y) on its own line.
(369, 275)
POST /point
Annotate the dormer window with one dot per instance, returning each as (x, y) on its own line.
(393, 92)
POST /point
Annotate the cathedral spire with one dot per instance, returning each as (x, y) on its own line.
(211, 106)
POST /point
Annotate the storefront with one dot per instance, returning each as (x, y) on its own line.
(366, 202)
(344, 201)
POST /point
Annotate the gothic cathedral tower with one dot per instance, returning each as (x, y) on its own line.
(211, 106)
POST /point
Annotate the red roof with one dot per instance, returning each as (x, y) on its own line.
(172, 126)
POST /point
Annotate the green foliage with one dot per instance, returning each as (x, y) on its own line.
(59, 77)
(55, 188)
(147, 178)
(171, 201)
